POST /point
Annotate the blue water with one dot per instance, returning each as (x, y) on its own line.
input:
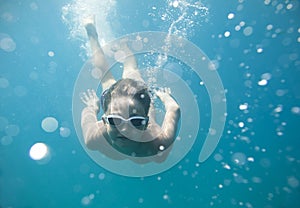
(257, 56)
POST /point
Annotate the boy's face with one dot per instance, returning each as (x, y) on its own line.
(125, 107)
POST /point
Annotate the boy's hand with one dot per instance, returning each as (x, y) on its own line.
(163, 93)
(91, 99)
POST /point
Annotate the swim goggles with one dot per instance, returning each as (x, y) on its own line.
(116, 120)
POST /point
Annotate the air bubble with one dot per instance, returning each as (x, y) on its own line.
(243, 106)
(218, 157)
(242, 24)
(256, 179)
(39, 151)
(6, 140)
(96, 73)
(51, 54)
(213, 65)
(34, 6)
(269, 27)
(296, 110)
(278, 109)
(267, 2)
(64, 132)
(175, 4)
(241, 124)
(262, 82)
(281, 92)
(259, 50)
(293, 182)
(248, 31)
(101, 176)
(8, 17)
(227, 34)
(85, 201)
(7, 44)
(266, 76)
(12, 130)
(239, 158)
(49, 124)
(4, 83)
(165, 197)
(237, 28)
(226, 166)
(230, 16)
(161, 148)
(141, 200)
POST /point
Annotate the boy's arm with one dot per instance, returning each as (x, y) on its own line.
(171, 119)
(92, 130)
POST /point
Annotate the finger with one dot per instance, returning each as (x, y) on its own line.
(90, 94)
(83, 100)
(85, 96)
(94, 94)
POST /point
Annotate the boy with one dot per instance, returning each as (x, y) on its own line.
(128, 123)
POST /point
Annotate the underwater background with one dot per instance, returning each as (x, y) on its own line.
(254, 47)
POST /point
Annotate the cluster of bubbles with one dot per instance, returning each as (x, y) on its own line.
(75, 13)
(77, 188)
(241, 162)
(10, 131)
(19, 90)
(40, 151)
(180, 16)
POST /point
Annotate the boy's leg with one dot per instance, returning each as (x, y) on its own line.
(130, 66)
(98, 54)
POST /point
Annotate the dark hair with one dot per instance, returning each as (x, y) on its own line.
(130, 88)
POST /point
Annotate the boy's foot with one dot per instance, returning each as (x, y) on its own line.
(89, 20)
(89, 24)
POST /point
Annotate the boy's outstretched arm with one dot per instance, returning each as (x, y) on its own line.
(91, 128)
(171, 119)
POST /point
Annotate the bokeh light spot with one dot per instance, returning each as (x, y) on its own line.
(248, 31)
(6, 140)
(12, 130)
(230, 16)
(38, 151)
(4, 83)
(7, 44)
(49, 124)
(64, 132)
(51, 54)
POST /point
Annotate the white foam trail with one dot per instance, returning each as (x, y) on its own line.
(74, 13)
(182, 18)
